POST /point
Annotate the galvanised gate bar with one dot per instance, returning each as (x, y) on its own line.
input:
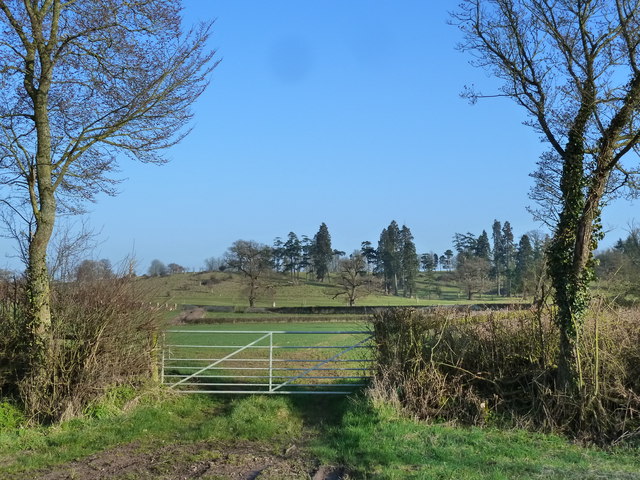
(266, 362)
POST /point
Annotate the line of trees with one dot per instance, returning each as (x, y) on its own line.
(512, 268)
(395, 259)
(310, 255)
(480, 265)
(618, 268)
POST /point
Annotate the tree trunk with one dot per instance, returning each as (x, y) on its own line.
(38, 288)
(43, 203)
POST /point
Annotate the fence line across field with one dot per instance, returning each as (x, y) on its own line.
(333, 373)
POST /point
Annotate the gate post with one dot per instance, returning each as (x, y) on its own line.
(164, 342)
(270, 362)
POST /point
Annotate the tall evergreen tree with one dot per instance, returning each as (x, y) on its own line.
(293, 255)
(321, 252)
(278, 253)
(427, 263)
(448, 260)
(410, 262)
(336, 257)
(483, 248)
(498, 254)
(508, 255)
(524, 263)
(306, 263)
(465, 243)
(390, 256)
(369, 253)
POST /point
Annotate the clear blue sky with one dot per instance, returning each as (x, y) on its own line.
(343, 112)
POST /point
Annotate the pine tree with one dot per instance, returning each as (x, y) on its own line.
(448, 260)
(410, 262)
(427, 263)
(483, 248)
(321, 252)
(508, 255)
(523, 264)
(369, 253)
(390, 256)
(498, 253)
(293, 255)
(278, 254)
(306, 263)
(465, 243)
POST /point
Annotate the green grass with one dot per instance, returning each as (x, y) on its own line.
(228, 290)
(372, 442)
(183, 419)
(409, 449)
(299, 351)
(181, 335)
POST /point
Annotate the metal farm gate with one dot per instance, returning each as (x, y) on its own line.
(268, 362)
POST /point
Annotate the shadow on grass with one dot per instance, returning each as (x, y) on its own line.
(374, 442)
(321, 412)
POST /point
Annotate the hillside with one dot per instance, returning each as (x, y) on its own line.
(228, 289)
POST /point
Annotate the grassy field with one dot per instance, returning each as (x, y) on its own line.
(219, 288)
(218, 437)
(158, 434)
(269, 358)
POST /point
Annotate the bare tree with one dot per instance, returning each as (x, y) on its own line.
(353, 281)
(84, 82)
(175, 268)
(213, 264)
(472, 273)
(253, 260)
(573, 66)
(157, 269)
(94, 270)
(67, 247)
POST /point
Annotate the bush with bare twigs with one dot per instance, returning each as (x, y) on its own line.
(499, 368)
(103, 334)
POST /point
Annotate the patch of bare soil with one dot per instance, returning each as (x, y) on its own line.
(204, 460)
(189, 316)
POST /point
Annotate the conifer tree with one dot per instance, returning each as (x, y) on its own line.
(278, 254)
(293, 255)
(390, 256)
(427, 262)
(321, 252)
(523, 264)
(498, 253)
(508, 255)
(483, 248)
(369, 253)
(410, 262)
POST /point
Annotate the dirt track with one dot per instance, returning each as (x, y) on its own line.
(202, 460)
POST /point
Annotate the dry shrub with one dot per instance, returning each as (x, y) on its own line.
(499, 367)
(103, 335)
(13, 355)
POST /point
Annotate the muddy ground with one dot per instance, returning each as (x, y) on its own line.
(204, 460)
